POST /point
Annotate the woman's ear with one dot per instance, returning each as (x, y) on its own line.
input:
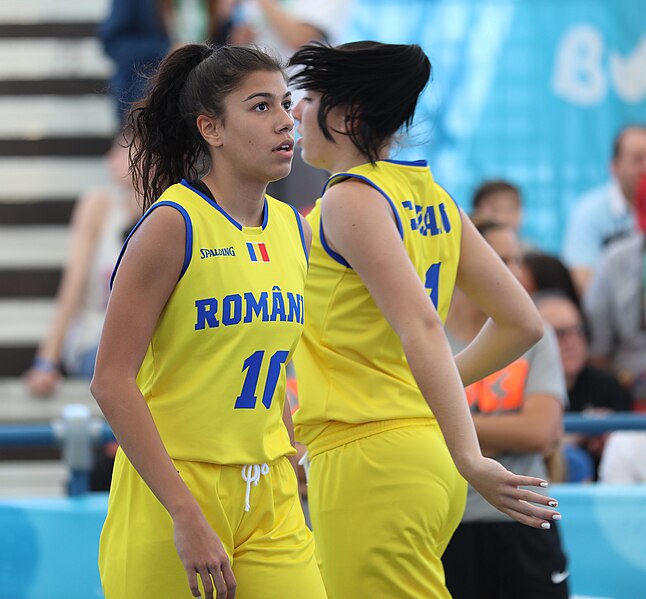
(210, 129)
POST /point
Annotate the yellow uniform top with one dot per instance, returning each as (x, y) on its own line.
(214, 372)
(350, 363)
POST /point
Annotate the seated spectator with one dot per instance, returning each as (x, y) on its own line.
(606, 213)
(518, 417)
(591, 390)
(543, 272)
(498, 201)
(100, 222)
(616, 310)
(623, 459)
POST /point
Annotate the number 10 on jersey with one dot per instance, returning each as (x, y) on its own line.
(247, 398)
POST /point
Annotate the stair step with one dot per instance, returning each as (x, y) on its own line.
(32, 282)
(50, 178)
(40, 212)
(52, 58)
(42, 117)
(25, 321)
(36, 246)
(47, 11)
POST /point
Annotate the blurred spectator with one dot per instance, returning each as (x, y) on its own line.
(542, 272)
(606, 213)
(518, 417)
(623, 459)
(137, 34)
(498, 201)
(590, 389)
(616, 308)
(101, 219)
(284, 26)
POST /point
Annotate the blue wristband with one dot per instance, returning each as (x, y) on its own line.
(44, 365)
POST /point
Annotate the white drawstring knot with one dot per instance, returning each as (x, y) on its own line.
(305, 462)
(251, 475)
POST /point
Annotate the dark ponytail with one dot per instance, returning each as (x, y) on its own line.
(166, 144)
(377, 84)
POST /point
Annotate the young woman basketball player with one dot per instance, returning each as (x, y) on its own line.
(375, 372)
(206, 308)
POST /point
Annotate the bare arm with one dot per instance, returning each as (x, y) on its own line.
(145, 280)
(359, 225)
(88, 216)
(514, 323)
(538, 427)
(293, 32)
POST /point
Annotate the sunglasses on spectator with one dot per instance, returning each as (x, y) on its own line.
(575, 329)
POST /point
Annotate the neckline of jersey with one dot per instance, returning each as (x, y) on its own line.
(416, 163)
(213, 203)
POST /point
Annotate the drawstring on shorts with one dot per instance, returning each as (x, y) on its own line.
(251, 475)
(305, 462)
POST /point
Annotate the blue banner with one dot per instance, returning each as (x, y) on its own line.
(533, 92)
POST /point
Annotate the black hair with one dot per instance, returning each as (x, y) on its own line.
(193, 80)
(619, 138)
(486, 226)
(549, 273)
(377, 84)
(492, 187)
(559, 293)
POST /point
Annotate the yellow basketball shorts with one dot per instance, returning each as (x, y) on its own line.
(383, 510)
(270, 547)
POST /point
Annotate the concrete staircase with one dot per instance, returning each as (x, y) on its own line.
(56, 123)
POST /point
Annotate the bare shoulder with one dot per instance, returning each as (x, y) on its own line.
(307, 231)
(353, 198)
(157, 248)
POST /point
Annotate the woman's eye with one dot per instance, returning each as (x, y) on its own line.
(262, 107)
(288, 105)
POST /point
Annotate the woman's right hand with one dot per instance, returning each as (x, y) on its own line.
(502, 489)
(42, 383)
(203, 554)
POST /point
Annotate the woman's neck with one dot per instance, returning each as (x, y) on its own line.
(348, 157)
(242, 200)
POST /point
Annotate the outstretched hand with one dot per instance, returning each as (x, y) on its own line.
(203, 556)
(501, 488)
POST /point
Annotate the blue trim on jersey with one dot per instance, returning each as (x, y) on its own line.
(338, 257)
(300, 230)
(188, 248)
(448, 194)
(422, 163)
(221, 210)
(375, 186)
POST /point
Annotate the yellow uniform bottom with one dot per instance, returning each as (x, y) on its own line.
(383, 510)
(270, 547)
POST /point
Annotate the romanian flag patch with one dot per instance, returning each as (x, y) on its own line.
(257, 251)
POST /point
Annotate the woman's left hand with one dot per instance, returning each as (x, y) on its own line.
(502, 489)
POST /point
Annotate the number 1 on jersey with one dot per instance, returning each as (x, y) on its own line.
(433, 282)
(247, 398)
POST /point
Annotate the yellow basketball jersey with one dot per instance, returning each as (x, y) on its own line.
(214, 372)
(350, 363)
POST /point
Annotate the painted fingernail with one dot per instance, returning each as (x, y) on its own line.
(543, 484)
(553, 503)
(546, 525)
(556, 517)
